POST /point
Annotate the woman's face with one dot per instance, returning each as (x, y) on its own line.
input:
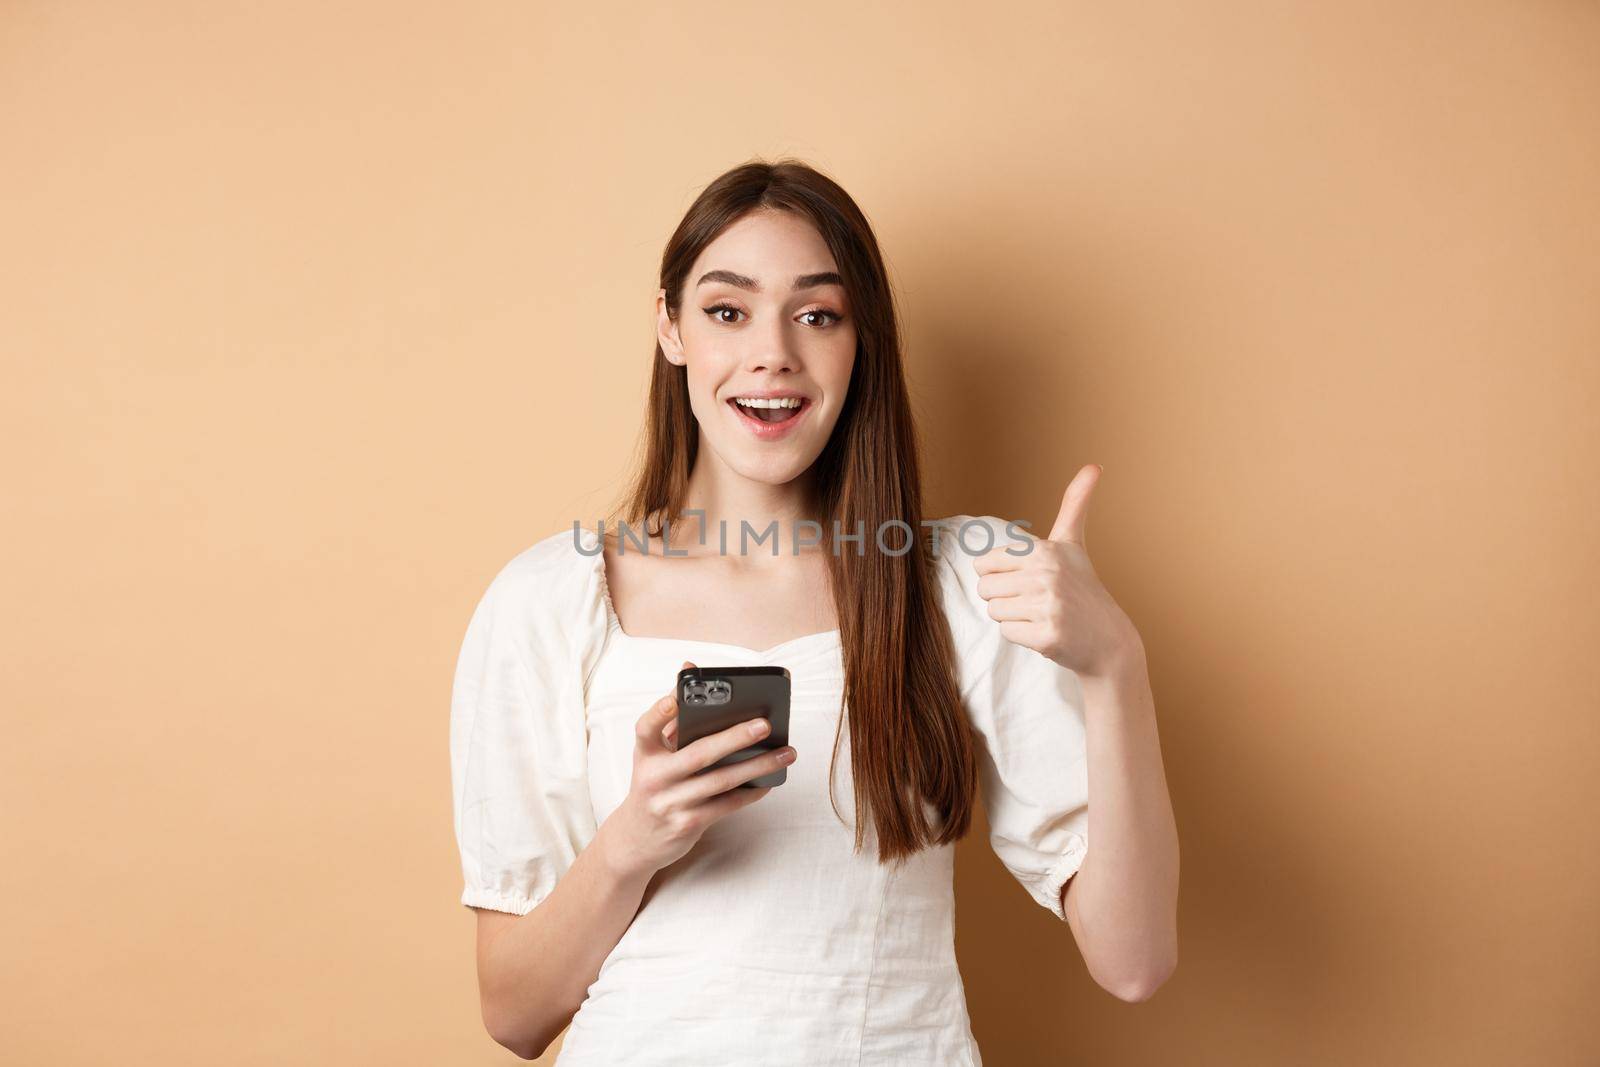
(764, 321)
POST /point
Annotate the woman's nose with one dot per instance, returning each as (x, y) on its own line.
(771, 353)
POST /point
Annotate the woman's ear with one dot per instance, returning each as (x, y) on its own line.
(667, 332)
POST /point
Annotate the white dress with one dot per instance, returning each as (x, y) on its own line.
(772, 941)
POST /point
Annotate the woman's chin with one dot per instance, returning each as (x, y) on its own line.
(778, 463)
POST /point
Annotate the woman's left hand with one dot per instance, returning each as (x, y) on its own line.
(1051, 600)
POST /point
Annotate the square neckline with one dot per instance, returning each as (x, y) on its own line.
(614, 621)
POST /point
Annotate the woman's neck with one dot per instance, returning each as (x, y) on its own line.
(718, 499)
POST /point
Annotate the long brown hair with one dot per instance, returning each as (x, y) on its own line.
(910, 741)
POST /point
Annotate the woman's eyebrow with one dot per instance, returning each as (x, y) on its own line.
(804, 281)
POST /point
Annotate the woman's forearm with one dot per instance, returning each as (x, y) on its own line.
(1123, 902)
(535, 973)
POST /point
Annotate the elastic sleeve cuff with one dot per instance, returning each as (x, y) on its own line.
(515, 903)
(1047, 889)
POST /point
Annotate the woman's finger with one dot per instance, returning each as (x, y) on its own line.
(732, 801)
(669, 733)
(1013, 609)
(648, 730)
(1007, 583)
(702, 787)
(705, 751)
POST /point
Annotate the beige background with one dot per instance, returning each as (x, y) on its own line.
(317, 314)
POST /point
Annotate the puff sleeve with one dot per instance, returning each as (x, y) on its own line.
(1028, 715)
(518, 739)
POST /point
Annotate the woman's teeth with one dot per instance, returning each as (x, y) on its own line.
(770, 409)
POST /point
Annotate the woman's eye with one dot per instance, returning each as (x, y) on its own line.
(716, 309)
(832, 316)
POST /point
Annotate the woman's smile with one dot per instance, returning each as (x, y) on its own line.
(769, 418)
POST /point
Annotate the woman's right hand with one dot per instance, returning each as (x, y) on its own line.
(668, 805)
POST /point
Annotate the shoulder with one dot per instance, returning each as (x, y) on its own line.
(563, 558)
(553, 584)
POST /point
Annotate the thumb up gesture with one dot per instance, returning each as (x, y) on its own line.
(1051, 600)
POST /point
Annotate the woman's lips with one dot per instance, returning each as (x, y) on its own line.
(769, 431)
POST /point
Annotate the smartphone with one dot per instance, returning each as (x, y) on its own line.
(711, 699)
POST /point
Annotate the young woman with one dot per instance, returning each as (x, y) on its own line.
(671, 918)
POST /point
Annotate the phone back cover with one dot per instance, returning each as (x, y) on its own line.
(757, 691)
